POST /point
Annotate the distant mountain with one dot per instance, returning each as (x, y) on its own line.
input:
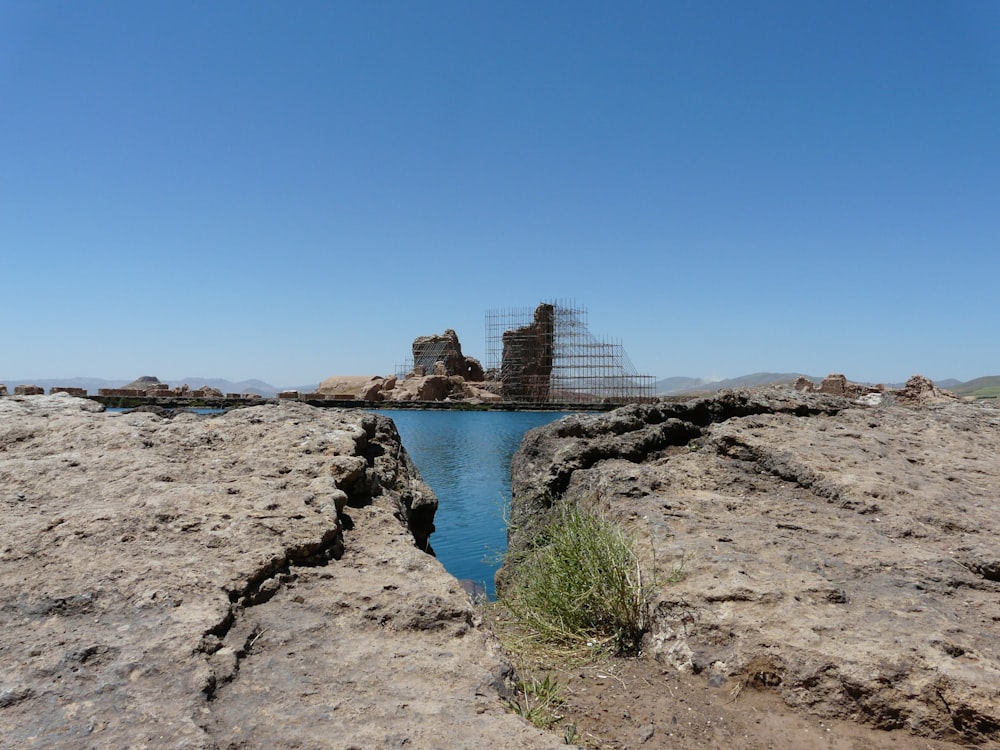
(228, 386)
(948, 383)
(671, 386)
(680, 385)
(92, 385)
(985, 387)
(760, 378)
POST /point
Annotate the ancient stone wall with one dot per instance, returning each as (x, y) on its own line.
(526, 365)
(68, 389)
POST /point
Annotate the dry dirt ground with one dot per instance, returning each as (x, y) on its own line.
(640, 703)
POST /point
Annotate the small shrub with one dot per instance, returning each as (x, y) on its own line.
(581, 586)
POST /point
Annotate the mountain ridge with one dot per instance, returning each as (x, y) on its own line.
(93, 385)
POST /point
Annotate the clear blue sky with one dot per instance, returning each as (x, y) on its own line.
(288, 191)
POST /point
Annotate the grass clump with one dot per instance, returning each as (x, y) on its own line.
(580, 587)
(538, 701)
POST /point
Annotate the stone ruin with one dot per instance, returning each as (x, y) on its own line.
(528, 353)
(149, 386)
(917, 390)
(836, 384)
(548, 354)
(442, 355)
(921, 390)
(440, 372)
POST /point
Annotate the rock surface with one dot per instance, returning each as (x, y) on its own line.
(843, 557)
(250, 580)
(352, 386)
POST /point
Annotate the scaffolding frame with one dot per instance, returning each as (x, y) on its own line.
(427, 357)
(562, 361)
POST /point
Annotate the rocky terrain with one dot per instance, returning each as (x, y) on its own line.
(257, 579)
(828, 556)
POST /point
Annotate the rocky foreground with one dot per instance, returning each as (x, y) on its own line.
(842, 556)
(250, 580)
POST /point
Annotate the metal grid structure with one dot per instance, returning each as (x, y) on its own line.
(427, 356)
(548, 354)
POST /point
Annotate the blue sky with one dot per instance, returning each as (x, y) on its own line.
(291, 191)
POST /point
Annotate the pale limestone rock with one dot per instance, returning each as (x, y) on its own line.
(256, 579)
(850, 549)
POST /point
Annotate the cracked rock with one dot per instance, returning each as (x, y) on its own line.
(227, 607)
(842, 555)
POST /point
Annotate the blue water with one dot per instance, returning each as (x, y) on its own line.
(464, 456)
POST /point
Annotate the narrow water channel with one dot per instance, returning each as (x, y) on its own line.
(464, 456)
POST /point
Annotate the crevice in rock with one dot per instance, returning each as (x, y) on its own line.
(389, 468)
(260, 587)
(220, 678)
(784, 468)
(989, 570)
(969, 723)
(634, 446)
(383, 468)
(13, 696)
(638, 431)
(710, 410)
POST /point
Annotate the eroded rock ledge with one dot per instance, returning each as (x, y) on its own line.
(841, 555)
(255, 579)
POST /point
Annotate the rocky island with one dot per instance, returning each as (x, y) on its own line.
(256, 579)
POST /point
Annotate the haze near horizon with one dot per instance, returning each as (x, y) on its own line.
(246, 190)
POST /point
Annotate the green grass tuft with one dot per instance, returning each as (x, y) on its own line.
(581, 587)
(538, 701)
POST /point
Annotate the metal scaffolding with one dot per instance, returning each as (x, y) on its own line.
(429, 354)
(425, 356)
(548, 354)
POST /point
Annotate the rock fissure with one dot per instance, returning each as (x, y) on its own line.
(640, 433)
(781, 465)
(265, 582)
(261, 587)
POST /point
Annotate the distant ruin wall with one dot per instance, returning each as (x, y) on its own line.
(81, 392)
(548, 354)
(526, 363)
